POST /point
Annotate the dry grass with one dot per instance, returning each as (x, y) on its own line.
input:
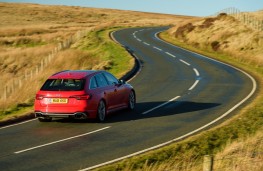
(224, 34)
(242, 155)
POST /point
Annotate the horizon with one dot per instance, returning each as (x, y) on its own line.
(156, 6)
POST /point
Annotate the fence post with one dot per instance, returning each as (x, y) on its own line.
(20, 83)
(208, 163)
(5, 92)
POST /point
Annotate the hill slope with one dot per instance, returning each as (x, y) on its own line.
(223, 34)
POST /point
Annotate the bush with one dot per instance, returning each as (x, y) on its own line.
(215, 45)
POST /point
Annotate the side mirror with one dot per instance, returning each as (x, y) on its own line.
(121, 82)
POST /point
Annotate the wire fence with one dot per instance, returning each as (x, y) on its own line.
(234, 163)
(245, 18)
(16, 83)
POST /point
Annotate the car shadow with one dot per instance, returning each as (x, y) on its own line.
(172, 108)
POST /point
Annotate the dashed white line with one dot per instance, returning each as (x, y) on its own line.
(146, 43)
(185, 62)
(196, 72)
(170, 54)
(139, 40)
(157, 48)
(66, 139)
(161, 105)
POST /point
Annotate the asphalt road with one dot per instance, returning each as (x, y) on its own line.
(178, 92)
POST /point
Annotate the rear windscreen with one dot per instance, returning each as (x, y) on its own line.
(63, 85)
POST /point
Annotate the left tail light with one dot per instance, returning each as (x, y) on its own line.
(81, 97)
(39, 97)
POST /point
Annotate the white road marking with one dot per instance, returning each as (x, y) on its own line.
(139, 40)
(194, 85)
(66, 139)
(185, 62)
(155, 35)
(18, 124)
(146, 43)
(157, 48)
(196, 72)
(161, 105)
(170, 54)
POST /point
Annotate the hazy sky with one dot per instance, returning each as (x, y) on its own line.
(183, 7)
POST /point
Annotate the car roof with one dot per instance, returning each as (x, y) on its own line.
(73, 74)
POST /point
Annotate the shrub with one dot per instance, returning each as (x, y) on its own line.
(215, 45)
(184, 30)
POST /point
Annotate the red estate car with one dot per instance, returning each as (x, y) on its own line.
(82, 94)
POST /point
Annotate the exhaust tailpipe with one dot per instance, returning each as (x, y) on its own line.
(81, 116)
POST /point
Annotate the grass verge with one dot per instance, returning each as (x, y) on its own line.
(113, 58)
(181, 155)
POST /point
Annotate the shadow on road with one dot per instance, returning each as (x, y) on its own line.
(173, 108)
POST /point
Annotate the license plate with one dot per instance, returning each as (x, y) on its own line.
(59, 100)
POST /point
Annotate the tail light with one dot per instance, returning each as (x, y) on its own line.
(81, 97)
(39, 97)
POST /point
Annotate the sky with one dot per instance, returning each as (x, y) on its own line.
(179, 7)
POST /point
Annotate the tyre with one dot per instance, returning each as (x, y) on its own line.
(132, 100)
(101, 111)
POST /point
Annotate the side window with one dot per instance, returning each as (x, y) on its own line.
(111, 79)
(101, 80)
(93, 83)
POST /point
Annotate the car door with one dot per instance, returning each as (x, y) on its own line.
(107, 91)
(118, 96)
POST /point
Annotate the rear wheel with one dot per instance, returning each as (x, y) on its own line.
(101, 112)
(45, 119)
(132, 100)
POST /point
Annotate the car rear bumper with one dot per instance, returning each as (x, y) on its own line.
(76, 115)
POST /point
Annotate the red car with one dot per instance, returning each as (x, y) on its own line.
(82, 94)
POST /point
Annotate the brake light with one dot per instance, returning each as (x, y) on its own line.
(81, 97)
(39, 97)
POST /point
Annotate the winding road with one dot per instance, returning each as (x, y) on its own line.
(178, 94)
